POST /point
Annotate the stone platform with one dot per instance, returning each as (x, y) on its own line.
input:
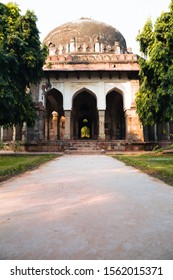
(87, 146)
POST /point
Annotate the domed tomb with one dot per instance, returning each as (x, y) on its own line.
(85, 35)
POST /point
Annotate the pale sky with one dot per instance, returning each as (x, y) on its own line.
(128, 16)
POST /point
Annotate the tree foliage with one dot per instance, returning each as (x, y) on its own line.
(21, 61)
(155, 97)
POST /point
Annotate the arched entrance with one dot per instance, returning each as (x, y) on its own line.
(114, 117)
(54, 129)
(85, 116)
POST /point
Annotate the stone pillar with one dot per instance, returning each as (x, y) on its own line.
(14, 133)
(46, 129)
(54, 129)
(1, 133)
(24, 132)
(155, 132)
(168, 131)
(62, 128)
(101, 115)
(41, 126)
(134, 130)
(67, 114)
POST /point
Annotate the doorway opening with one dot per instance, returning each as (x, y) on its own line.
(85, 116)
(114, 117)
(54, 128)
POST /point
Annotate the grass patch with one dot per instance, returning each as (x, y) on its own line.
(155, 164)
(11, 165)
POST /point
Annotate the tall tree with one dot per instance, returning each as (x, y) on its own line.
(21, 61)
(155, 97)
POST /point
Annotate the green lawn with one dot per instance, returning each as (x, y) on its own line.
(156, 164)
(11, 165)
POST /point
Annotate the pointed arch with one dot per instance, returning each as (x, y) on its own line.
(84, 89)
(114, 115)
(84, 114)
(116, 89)
(54, 112)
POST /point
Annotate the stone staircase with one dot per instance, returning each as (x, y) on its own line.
(87, 146)
(83, 147)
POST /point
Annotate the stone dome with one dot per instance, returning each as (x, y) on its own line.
(86, 32)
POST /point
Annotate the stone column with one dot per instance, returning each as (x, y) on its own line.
(168, 131)
(155, 132)
(24, 132)
(1, 133)
(134, 130)
(41, 126)
(127, 125)
(14, 133)
(67, 114)
(54, 125)
(46, 128)
(101, 115)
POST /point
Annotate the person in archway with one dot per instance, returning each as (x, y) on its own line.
(85, 132)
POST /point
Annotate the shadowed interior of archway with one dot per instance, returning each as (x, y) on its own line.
(54, 113)
(114, 117)
(85, 116)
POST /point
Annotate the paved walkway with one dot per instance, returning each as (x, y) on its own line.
(86, 207)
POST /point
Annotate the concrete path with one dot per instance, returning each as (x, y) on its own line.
(86, 207)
